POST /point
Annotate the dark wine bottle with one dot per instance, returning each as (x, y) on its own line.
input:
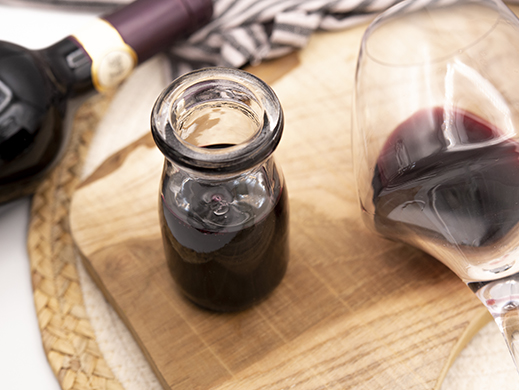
(36, 85)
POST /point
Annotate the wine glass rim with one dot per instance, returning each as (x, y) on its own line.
(413, 6)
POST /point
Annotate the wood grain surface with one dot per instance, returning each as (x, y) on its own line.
(354, 311)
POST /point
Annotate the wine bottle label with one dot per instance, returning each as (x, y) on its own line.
(112, 59)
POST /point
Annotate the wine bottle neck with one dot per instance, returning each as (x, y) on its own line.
(104, 52)
(111, 58)
(150, 26)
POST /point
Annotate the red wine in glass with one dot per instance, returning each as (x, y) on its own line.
(457, 187)
(447, 181)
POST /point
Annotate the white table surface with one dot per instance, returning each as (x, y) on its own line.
(23, 364)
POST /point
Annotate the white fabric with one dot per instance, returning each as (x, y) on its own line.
(484, 364)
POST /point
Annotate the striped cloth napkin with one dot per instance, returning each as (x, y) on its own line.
(250, 31)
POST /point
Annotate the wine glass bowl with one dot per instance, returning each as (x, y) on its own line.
(435, 140)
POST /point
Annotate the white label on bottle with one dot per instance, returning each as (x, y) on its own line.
(112, 59)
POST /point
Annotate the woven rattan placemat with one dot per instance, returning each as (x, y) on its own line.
(86, 344)
(68, 338)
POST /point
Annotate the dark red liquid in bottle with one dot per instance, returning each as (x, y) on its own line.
(223, 257)
(448, 176)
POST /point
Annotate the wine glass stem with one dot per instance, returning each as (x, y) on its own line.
(501, 298)
(508, 323)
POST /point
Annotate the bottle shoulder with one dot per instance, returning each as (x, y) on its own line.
(68, 65)
(23, 77)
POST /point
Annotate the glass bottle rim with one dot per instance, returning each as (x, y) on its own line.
(185, 92)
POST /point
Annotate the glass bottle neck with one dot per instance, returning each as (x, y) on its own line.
(210, 177)
(228, 199)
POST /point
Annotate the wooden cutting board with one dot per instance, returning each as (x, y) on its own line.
(354, 311)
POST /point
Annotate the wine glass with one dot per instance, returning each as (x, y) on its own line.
(436, 141)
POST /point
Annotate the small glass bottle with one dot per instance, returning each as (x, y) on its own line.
(223, 200)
